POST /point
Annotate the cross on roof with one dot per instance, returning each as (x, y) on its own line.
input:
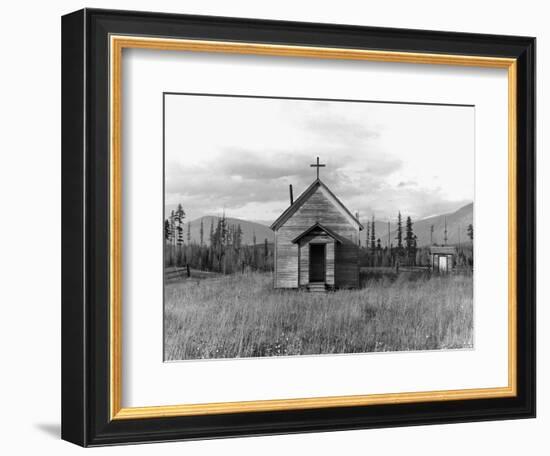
(317, 165)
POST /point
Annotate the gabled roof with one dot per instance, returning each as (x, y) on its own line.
(315, 226)
(303, 198)
(443, 250)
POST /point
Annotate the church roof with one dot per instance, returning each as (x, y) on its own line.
(289, 212)
(315, 226)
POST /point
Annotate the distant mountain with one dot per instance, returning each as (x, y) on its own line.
(249, 228)
(456, 221)
(457, 225)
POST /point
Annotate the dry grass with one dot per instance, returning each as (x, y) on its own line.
(242, 316)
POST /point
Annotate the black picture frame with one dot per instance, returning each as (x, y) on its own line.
(85, 228)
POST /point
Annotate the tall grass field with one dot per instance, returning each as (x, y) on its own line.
(242, 315)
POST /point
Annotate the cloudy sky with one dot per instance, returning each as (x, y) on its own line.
(240, 154)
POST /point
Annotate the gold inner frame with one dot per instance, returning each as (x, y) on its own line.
(117, 44)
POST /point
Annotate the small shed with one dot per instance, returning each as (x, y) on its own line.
(316, 242)
(443, 258)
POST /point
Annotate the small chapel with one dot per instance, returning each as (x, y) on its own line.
(316, 241)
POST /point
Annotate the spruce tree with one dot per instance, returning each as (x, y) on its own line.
(167, 230)
(239, 236)
(168, 239)
(372, 235)
(211, 232)
(409, 239)
(254, 262)
(173, 238)
(399, 233)
(179, 217)
(471, 232)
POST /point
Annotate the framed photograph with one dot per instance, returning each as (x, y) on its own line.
(278, 227)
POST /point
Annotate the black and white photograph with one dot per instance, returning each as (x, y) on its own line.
(315, 227)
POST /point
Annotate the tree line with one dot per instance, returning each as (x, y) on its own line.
(221, 250)
(406, 251)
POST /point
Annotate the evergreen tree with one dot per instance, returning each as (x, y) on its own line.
(224, 241)
(367, 239)
(224, 231)
(179, 217)
(237, 243)
(254, 262)
(168, 240)
(173, 234)
(202, 232)
(378, 253)
(220, 242)
(210, 253)
(399, 233)
(211, 231)
(239, 236)
(372, 235)
(471, 232)
(410, 240)
(167, 230)
(173, 228)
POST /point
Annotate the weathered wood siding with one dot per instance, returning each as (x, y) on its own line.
(286, 260)
(319, 208)
(347, 266)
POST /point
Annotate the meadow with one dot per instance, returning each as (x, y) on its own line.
(241, 315)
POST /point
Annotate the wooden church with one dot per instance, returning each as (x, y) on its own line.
(316, 242)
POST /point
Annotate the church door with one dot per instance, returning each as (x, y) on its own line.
(317, 255)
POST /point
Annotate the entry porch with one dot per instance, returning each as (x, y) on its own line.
(316, 258)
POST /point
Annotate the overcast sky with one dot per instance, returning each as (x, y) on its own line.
(240, 154)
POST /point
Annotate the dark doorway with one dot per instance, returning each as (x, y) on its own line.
(317, 262)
